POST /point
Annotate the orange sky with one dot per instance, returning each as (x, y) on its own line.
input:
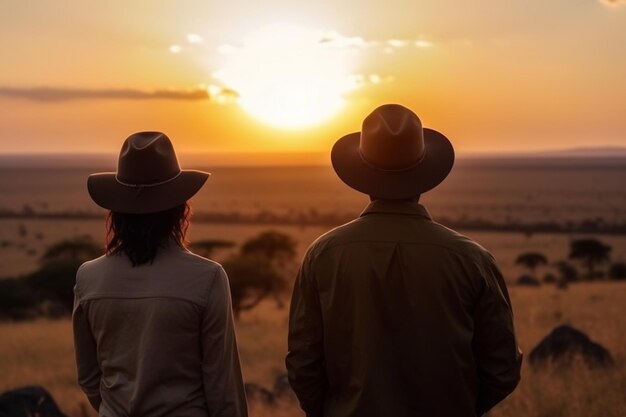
(492, 75)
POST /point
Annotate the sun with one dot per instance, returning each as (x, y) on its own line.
(287, 76)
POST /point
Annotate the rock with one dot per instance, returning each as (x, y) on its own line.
(28, 402)
(565, 342)
(258, 393)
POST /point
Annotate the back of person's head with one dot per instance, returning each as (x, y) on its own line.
(140, 236)
(147, 197)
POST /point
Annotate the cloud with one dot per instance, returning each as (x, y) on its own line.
(421, 43)
(222, 95)
(613, 3)
(54, 94)
(397, 43)
(334, 39)
(194, 38)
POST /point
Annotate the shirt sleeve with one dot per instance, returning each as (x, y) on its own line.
(222, 379)
(497, 354)
(87, 366)
(305, 357)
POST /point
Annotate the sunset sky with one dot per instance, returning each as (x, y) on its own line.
(291, 76)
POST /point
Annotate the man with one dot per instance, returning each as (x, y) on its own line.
(393, 314)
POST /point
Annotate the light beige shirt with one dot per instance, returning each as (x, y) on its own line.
(158, 339)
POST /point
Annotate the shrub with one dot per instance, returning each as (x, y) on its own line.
(549, 278)
(528, 280)
(54, 281)
(567, 271)
(618, 271)
(15, 297)
(79, 249)
(532, 260)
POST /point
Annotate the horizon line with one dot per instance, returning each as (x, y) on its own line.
(244, 159)
(490, 152)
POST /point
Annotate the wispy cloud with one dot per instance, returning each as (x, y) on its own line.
(194, 38)
(613, 3)
(336, 40)
(54, 94)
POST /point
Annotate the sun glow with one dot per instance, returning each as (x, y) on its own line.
(288, 76)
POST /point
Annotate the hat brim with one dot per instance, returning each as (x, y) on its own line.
(434, 167)
(110, 194)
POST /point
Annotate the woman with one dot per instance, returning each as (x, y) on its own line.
(153, 325)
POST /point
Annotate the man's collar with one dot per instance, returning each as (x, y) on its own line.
(396, 207)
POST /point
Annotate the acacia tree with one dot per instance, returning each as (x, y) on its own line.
(532, 260)
(252, 278)
(591, 252)
(260, 270)
(278, 248)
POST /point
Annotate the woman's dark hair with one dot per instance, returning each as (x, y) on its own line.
(139, 236)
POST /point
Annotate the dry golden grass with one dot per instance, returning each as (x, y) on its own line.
(598, 310)
(40, 352)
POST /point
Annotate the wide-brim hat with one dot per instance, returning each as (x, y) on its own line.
(148, 178)
(393, 156)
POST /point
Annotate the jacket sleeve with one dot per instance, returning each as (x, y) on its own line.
(497, 354)
(89, 373)
(221, 370)
(305, 357)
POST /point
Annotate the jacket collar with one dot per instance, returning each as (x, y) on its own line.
(396, 207)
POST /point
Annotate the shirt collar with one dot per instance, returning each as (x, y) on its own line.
(396, 207)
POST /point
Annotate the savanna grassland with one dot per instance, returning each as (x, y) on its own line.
(40, 352)
(560, 202)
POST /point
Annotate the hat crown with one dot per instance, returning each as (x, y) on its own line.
(147, 158)
(392, 138)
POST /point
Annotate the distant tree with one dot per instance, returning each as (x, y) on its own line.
(590, 252)
(549, 278)
(79, 249)
(567, 272)
(15, 298)
(278, 248)
(207, 247)
(252, 278)
(54, 281)
(532, 260)
(528, 281)
(618, 271)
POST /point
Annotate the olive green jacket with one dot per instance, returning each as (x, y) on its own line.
(158, 339)
(395, 315)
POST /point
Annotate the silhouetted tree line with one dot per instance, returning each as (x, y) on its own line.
(589, 253)
(312, 217)
(260, 269)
